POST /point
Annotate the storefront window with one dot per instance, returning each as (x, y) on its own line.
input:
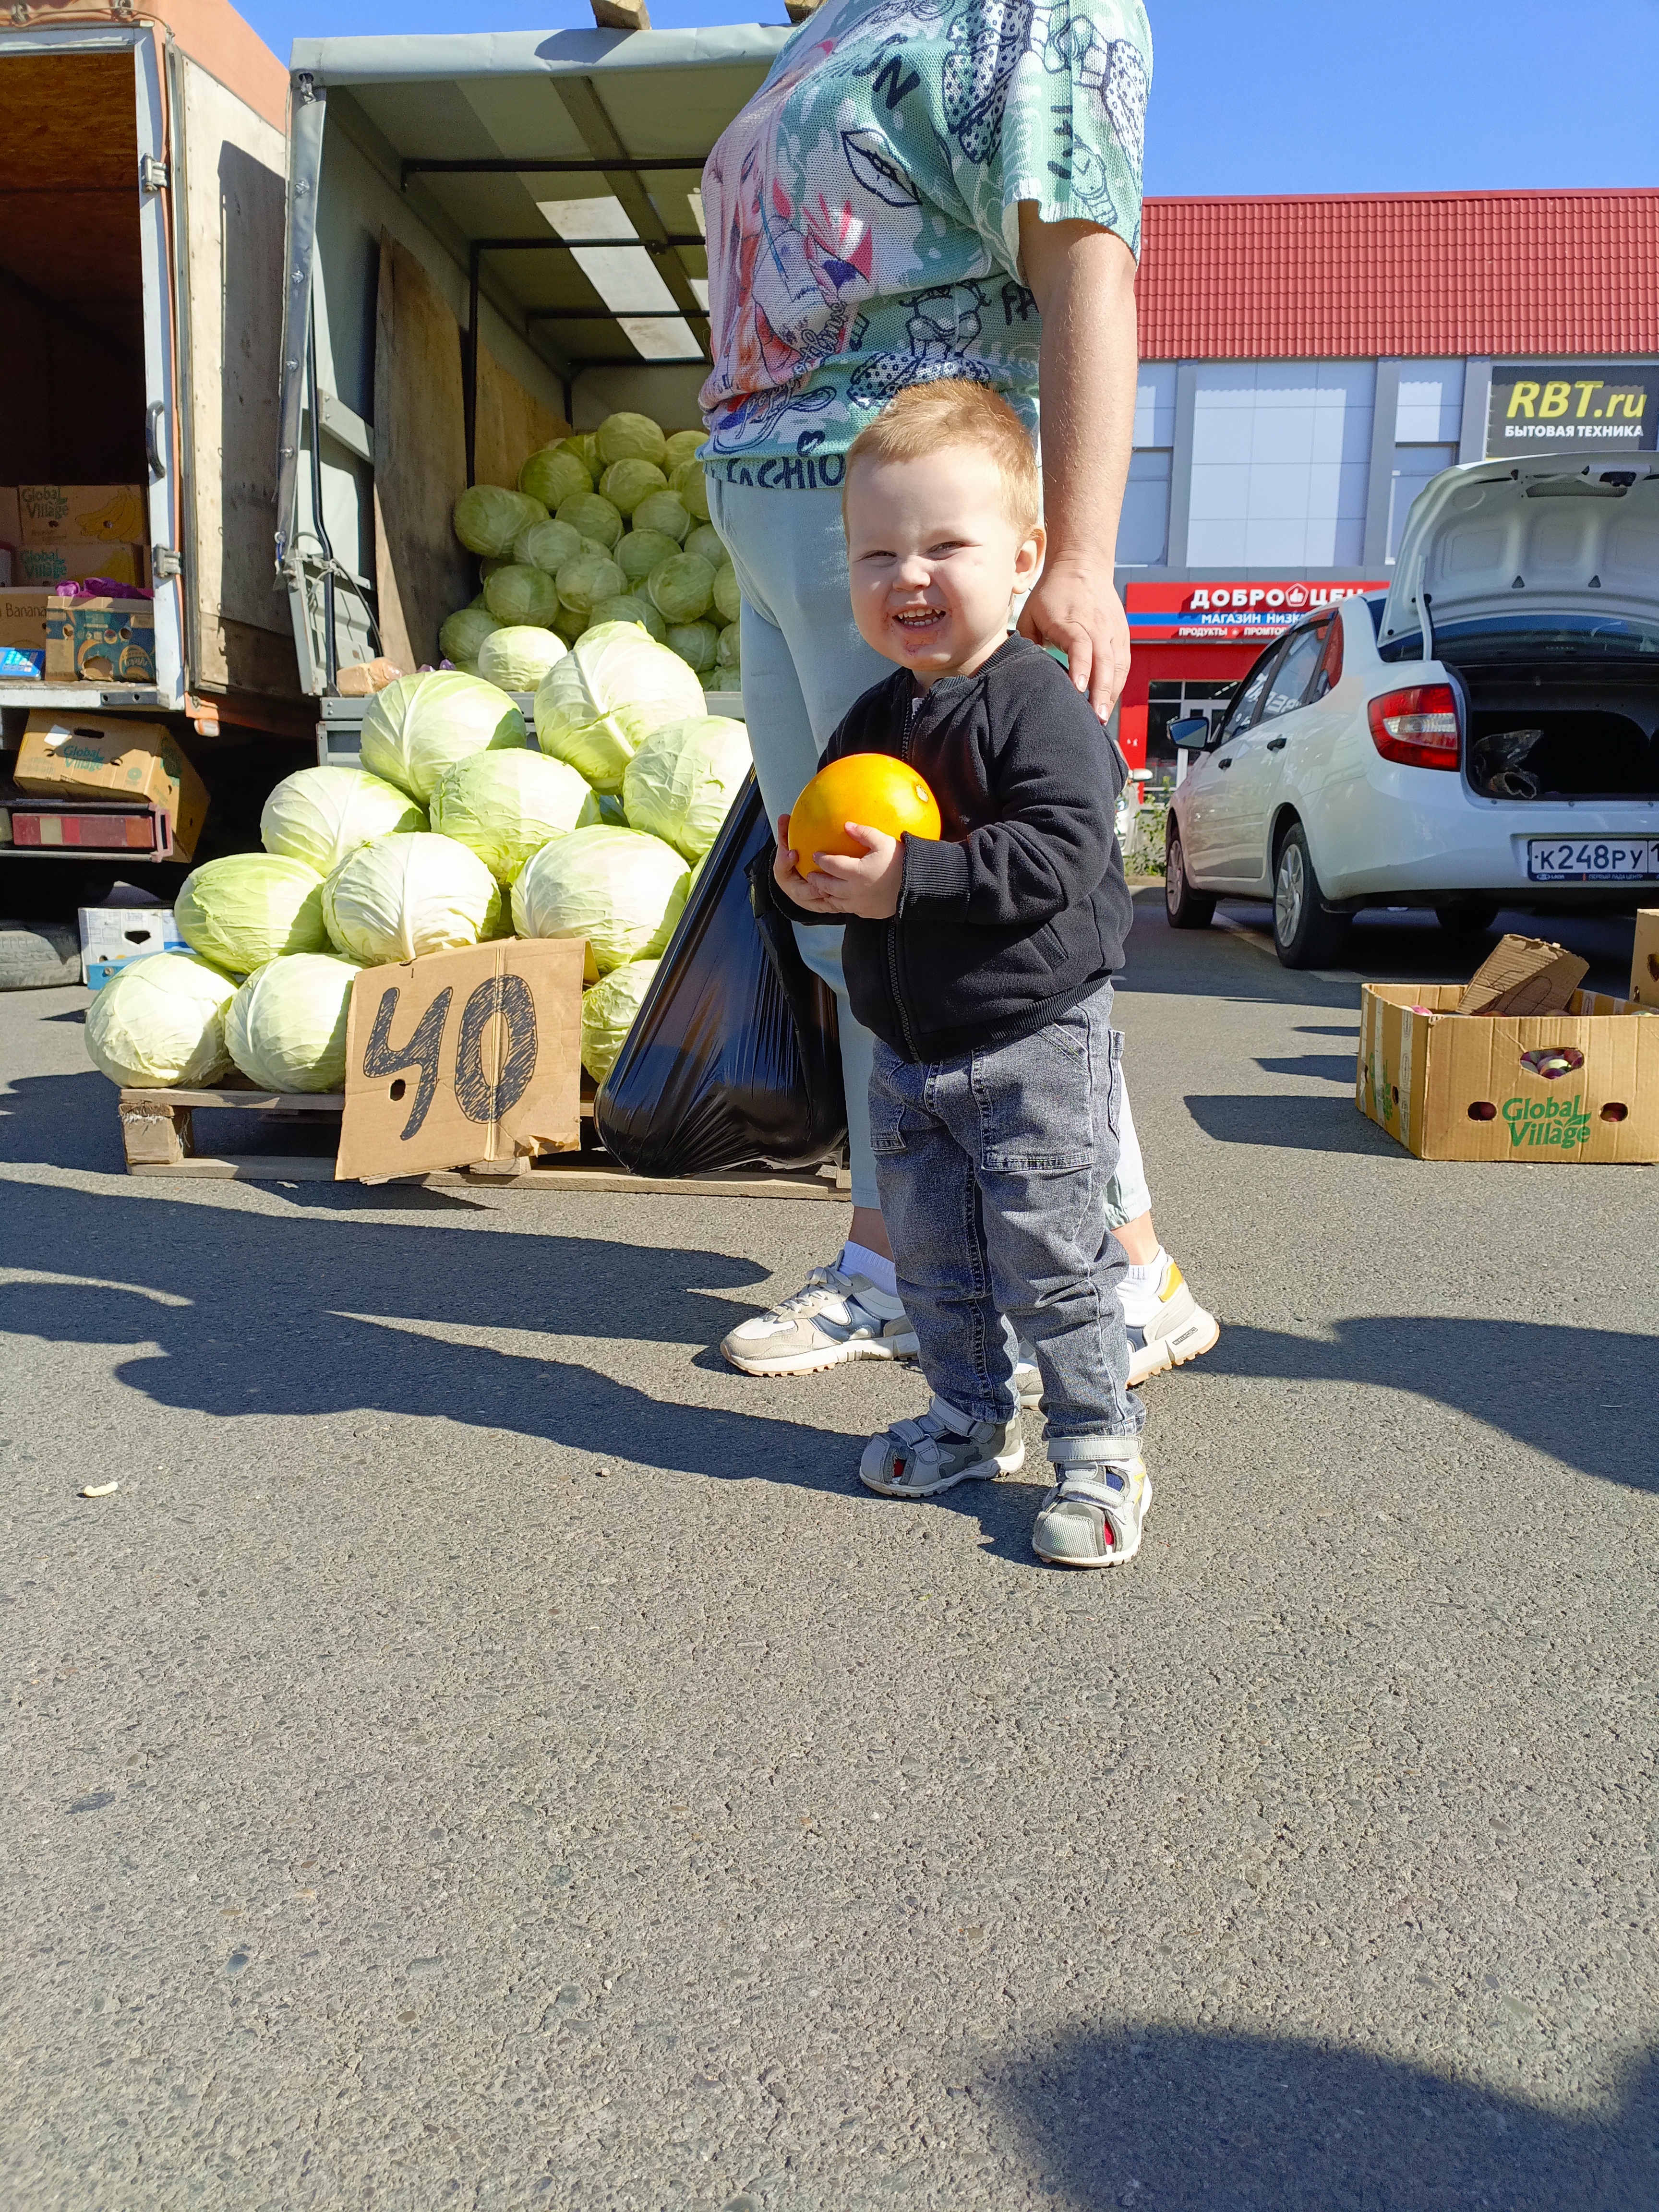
(1172, 702)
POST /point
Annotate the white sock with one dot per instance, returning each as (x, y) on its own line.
(1138, 1291)
(860, 1259)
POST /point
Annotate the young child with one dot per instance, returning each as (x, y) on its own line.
(983, 963)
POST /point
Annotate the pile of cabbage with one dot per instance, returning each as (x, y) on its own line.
(611, 527)
(457, 828)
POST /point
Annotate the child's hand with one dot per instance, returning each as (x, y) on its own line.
(805, 891)
(869, 886)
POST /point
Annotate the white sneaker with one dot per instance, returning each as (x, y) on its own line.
(1177, 1329)
(833, 1318)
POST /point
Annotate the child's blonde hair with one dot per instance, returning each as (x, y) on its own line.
(931, 418)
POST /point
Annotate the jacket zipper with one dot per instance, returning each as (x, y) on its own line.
(892, 932)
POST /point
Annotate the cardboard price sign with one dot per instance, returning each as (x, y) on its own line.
(463, 1058)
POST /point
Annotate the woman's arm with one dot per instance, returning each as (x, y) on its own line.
(1084, 282)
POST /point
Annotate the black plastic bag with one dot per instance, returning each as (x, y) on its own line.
(734, 1058)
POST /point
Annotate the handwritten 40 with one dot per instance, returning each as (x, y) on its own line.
(478, 1097)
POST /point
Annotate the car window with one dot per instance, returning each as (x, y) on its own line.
(1294, 673)
(1329, 673)
(1242, 715)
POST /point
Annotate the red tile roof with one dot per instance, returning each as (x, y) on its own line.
(1416, 273)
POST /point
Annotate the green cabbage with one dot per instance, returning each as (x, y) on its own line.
(681, 446)
(625, 483)
(706, 542)
(285, 1027)
(319, 815)
(693, 487)
(405, 896)
(554, 475)
(488, 518)
(630, 438)
(608, 1013)
(628, 607)
(245, 909)
(463, 633)
(665, 511)
(546, 545)
(606, 697)
(728, 593)
(729, 652)
(586, 447)
(642, 551)
(619, 889)
(682, 780)
(411, 736)
(682, 588)
(520, 595)
(517, 659)
(595, 517)
(697, 643)
(488, 568)
(160, 1021)
(505, 806)
(587, 576)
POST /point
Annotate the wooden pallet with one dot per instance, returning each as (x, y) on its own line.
(158, 1133)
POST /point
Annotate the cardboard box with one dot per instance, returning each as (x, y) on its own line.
(1578, 1086)
(101, 642)
(463, 1058)
(5, 568)
(78, 559)
(23, 618)
(11, 527)
(110, 936)
(1644, 959)
(49, 513)
(1523, 975)
(69, 755)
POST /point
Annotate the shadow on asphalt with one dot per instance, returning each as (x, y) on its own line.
(1292, 1122)
(1163, 2117)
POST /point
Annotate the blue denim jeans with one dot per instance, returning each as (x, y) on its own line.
(995, 1172)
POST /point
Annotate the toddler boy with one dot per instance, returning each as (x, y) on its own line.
(983, 964)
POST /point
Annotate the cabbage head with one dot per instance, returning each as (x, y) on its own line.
(404, 895)
(630, 438)
(488, 517)
(587, 576)
(570, 623)
(319, 815)
(518, 658)
(682, 588)
(554, 475)
(608, 1013)
(630, 608)
(729, 652)
(665, 511)
(160, 1021)
(681, 445)
(625, 483)
(505, 806)
(518, 595)
(245, 909)
(642, 551)
(420, 735)
(622, 891)
(684, 779)
(693, 487)
(285, 1027)
(593, 517)
(706, 542)
(599, 704)
(546, 545)
(697, 643)
(728, 593)
(586, 447)
(463, 634)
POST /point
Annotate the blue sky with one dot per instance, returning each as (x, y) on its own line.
(1279, 95)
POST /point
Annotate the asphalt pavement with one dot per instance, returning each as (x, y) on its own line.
(487, 1753)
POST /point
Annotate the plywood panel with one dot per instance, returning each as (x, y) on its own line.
(421, 574)
(511, 423)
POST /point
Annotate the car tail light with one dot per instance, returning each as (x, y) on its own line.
(1418, 726)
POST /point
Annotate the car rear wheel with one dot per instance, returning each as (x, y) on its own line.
(1186, 907)
(1466, 917)
(1305, 935)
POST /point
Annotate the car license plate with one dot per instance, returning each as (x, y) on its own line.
(1593, 860)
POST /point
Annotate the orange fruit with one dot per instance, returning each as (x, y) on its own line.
(874, 789)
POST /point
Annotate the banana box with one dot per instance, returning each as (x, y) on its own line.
(78, 560)
(49, 513)
(101, 642)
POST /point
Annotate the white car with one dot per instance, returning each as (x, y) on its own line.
(1482, 735)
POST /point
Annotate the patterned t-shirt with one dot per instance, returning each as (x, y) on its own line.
(862, 211)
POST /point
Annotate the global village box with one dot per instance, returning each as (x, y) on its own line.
(1644, 958)
(69, 755)
(1579, 1086)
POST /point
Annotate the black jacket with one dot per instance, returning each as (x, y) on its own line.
(1020, 909)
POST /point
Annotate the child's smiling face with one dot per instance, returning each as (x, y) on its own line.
(935, 560)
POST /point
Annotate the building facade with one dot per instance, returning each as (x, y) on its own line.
(1308, 366)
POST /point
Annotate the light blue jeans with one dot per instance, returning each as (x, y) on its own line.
(804, 664)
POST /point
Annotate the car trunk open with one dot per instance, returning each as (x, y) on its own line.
(1564, 729)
